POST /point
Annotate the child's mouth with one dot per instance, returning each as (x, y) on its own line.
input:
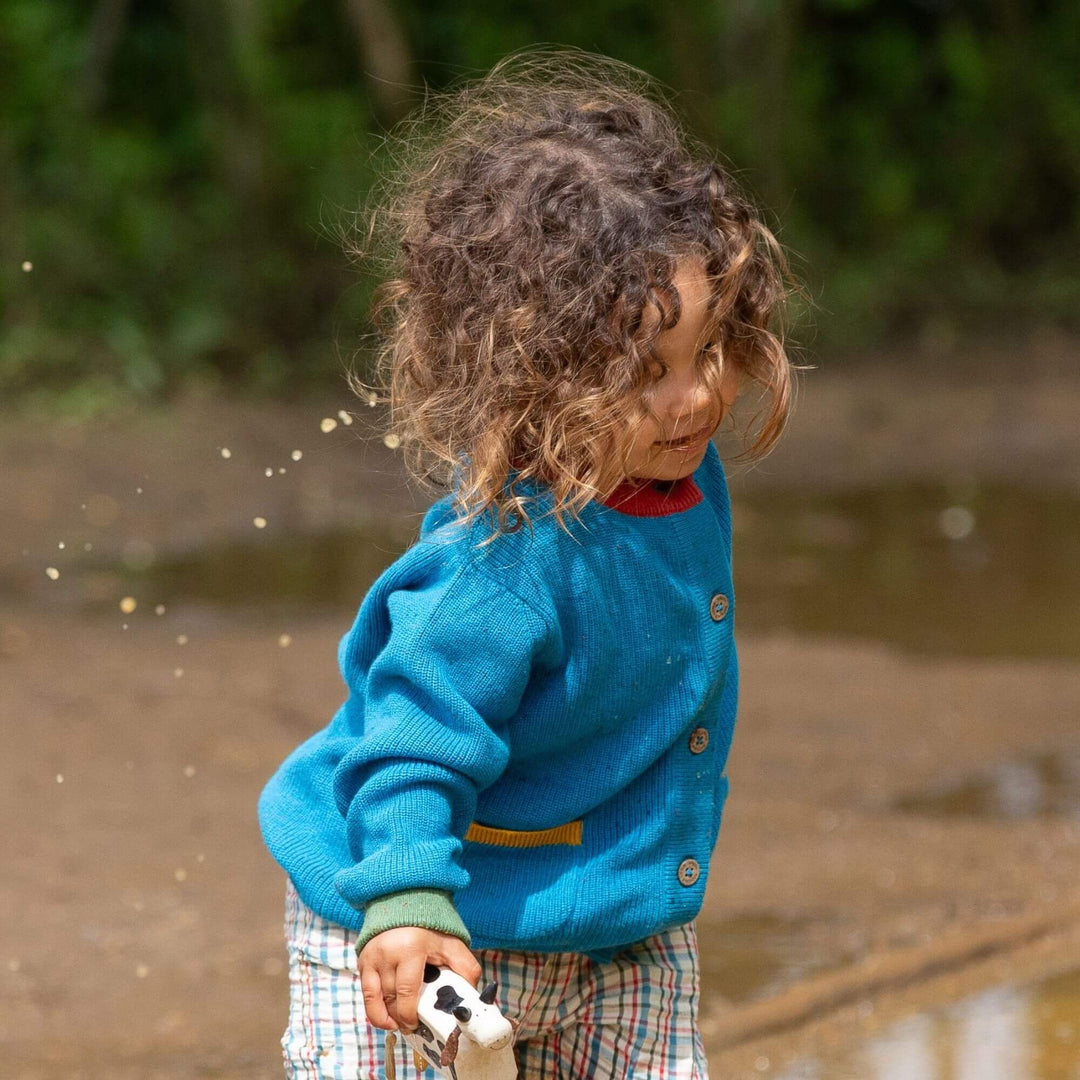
(690, 440)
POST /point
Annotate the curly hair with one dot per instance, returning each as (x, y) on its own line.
(527, 219)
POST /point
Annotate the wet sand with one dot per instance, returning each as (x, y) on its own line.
(146, 938)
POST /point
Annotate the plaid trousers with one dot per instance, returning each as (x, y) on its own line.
(632, 1018)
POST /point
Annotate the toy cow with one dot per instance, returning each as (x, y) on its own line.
(460, 1032)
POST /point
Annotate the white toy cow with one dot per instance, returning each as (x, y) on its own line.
(460, 1032)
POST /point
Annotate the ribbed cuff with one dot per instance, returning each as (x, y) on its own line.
(432, 909)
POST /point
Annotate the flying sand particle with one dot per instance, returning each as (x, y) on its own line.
(328, 424)
(59, 777)
(346, 418)
(61, 545)
(159, 610)
(297, 455)
(27, 266)
(260, 523)
(178, 672)
(189, 771)
(128, 604)
(226, 452)
(268, 471)
(285, 640)
(391, 440)
(180, 874)
(52, 572)
(181, 639)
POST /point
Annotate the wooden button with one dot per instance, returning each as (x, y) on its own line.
(718, 606)
(699, 739)
(689, 871)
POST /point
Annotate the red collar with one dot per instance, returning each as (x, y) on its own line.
(645, 497)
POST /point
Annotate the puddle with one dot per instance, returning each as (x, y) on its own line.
(332, 570)
(319, 570)
(752, 957)
(1033, 786)
(986, 571)
(1005, 1033)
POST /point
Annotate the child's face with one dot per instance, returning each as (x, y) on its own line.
(680, 398)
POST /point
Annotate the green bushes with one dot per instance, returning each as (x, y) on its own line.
(170, 169)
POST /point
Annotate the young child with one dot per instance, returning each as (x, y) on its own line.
(526, 781)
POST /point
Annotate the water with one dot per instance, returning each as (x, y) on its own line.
(990, 571)
(1036, 785)
(987, 571)
(264, 576)
(752, 956)
(1005, 1033)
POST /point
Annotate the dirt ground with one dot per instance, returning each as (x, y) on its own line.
(146, 936)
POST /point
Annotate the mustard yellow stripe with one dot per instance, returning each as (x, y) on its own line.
(570, 833)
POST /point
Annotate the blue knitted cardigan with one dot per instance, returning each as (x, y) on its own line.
(536, 730)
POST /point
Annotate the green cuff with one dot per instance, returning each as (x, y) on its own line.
(432, 909)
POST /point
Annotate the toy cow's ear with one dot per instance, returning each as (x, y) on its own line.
(487, 995)
(450, 1049)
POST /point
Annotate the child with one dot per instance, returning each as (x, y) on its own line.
(530, 760)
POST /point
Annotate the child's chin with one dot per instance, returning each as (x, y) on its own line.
(669, 465)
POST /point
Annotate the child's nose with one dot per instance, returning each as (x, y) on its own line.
(693, 409)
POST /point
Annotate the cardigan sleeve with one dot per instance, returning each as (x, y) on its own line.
(436, 670)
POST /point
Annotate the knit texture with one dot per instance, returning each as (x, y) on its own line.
(540, 681)
(431, 908)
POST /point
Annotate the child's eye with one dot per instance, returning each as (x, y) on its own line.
(711, 347)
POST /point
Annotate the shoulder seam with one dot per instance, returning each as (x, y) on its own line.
(534, 608)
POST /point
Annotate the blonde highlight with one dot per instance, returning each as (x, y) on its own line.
(527, 220)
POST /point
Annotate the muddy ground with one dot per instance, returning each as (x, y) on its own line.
(143, 936)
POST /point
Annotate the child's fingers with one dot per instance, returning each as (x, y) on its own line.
(458, 958)
(408, 979)
(374, 1005)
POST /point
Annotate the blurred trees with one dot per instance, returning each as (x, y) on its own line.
(168, 166)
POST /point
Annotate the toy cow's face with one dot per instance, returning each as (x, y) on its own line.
(449, 1007)
(476, 1013)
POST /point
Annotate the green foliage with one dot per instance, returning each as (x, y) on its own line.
(175, 175)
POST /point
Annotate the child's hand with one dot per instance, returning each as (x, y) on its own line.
(392, 971)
